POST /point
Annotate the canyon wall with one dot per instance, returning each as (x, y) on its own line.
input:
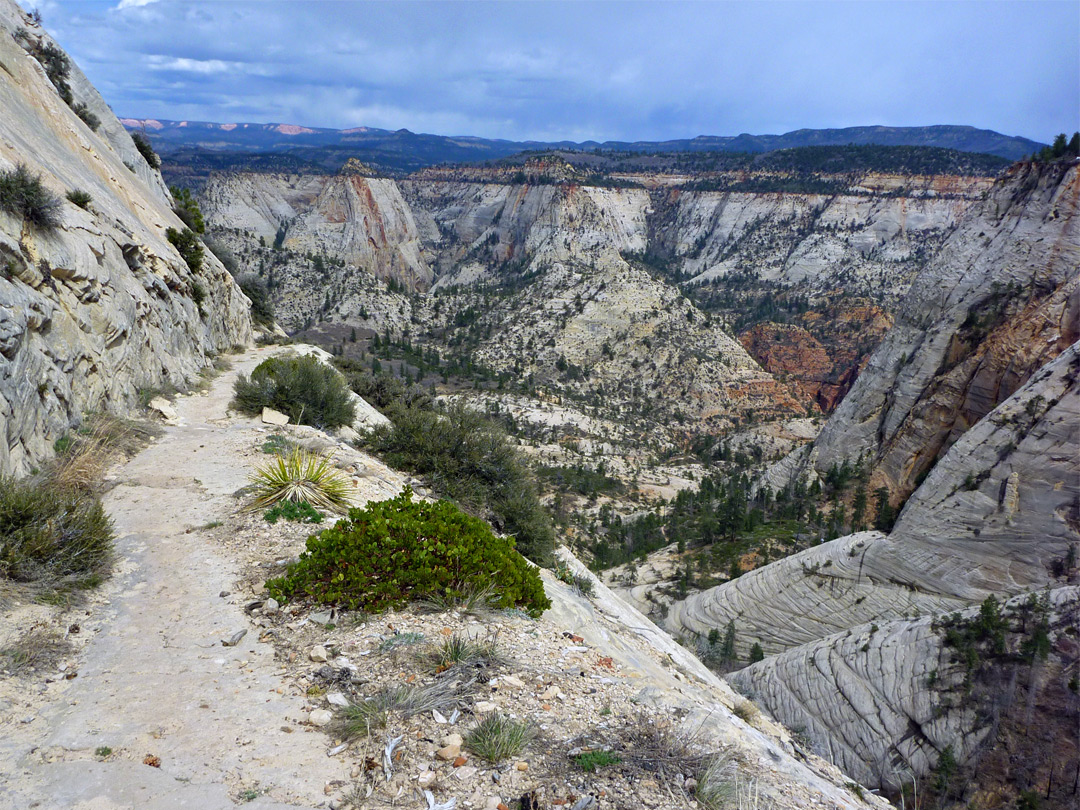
(101, 305)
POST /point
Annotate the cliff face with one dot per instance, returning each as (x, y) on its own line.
(996, 516)
(362, 221)
(101, 305)
(884, 701)
(991, 518)
(994, 305)
(868, 244)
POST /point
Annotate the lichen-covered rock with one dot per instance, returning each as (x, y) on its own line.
(102, 305)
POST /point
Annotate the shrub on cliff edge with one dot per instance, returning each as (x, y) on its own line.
(398, 551)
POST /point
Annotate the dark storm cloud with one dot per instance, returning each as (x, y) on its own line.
(583, 70)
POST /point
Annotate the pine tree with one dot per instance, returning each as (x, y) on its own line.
(727, 648)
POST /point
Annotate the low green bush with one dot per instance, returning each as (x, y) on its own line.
(307, 390)
(50, 532)
(87, 117)
(23, 194)
(589, 761)
(188, 245)
(187, 208)
(385, 391)
(262, 308)
(397, 551)
(79, 197)
(293, 511)
(469, 459)
(142, 143)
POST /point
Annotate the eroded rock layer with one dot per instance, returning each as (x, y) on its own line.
(101, 305)
(991, 518)
(999, 301)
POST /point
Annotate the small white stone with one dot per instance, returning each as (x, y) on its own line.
(320, 717)
(318, 654)
(272, 417)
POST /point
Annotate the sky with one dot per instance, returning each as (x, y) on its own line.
(583, 70)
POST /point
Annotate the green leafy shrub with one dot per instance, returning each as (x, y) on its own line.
(49, 532)
(301, 477)
(142, 143)
(87, 117)
(396, 551)
(385, 391)
(57, 66)
(187, 208)
(293, 511)
(467, 458)
(310, 392)
(198, 294)
(188, 245)
(23, 194)
(79, 197)
(262, 308)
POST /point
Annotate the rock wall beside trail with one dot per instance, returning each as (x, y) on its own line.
(101, 305)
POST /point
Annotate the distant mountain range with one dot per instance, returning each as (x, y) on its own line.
(402, 150)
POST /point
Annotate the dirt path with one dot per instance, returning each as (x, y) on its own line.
(156, 679)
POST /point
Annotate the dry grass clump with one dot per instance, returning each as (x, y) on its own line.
(301, 476)
(103, 440)
(473, 601)
(747, 711)
(656, 745)
(716, 787)
(38, 648)
(498, 737)
(460, 649)
(361, 718)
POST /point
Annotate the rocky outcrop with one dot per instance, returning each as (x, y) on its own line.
(820, 353)
(884, 701)
(995, 517)
(959, 539)
(102, 305)
(869, 245)
(363, 221)
(998, 301)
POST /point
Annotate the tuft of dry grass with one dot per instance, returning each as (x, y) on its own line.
(498, 737)
(38, 648)
(747, 711)
(460, 649)
(361, 718)
(103, 440)
(660, 747)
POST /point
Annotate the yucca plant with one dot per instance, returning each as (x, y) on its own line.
(298, 476)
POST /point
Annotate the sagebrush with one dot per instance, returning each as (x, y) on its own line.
(23, 194)
(305, 389)
(49, 532)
